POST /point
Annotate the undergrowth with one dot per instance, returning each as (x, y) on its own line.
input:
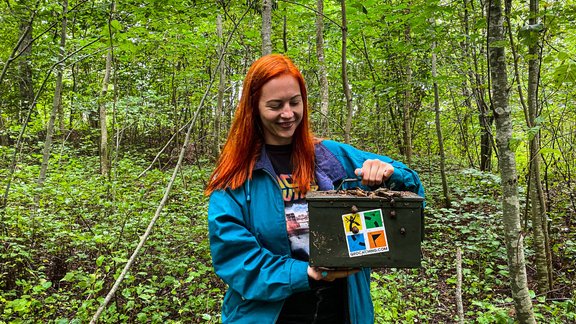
(59, 257)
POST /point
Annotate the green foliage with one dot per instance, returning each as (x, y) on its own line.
(58, 261)
(61, 254)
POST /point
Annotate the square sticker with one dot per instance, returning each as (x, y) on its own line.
(365, 233)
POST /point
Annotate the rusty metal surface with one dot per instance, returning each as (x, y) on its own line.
(356, 228)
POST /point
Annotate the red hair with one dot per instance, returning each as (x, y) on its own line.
(245, 140)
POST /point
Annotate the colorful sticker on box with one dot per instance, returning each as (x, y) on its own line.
(365, 233)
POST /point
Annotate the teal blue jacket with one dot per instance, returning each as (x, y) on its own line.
(249, 242)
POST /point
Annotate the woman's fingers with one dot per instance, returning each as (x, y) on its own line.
(374, 172)
(330, 275)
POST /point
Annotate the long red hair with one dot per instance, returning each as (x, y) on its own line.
(245, 140)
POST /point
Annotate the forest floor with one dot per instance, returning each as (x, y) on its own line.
(59, 258)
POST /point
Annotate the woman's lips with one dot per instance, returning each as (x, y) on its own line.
(286, 124)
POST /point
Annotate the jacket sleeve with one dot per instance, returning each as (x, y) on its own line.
(403, 178)
(239, 259)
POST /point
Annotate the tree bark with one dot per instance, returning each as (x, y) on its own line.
(323, 76)
(285, 33)
(459, 304)
(25, 81)
(407, 132)
(345, 86)
(221, 90)
(266, 27)
(104, 151)
(507, 163)
(538, 203)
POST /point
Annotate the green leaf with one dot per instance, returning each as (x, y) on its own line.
(552, 151)
(115, 24)
(99, 260)
(532, 132)
(47, 284)
(498, 44)
(514, 143)
(68, 277)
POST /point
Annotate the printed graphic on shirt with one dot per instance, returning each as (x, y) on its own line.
(290, 191)
(296, 209)
(365, 233)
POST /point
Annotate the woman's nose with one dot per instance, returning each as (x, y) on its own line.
(286, 111)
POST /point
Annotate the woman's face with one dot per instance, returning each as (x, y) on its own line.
(281, 109)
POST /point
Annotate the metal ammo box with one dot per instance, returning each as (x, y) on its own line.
(355, 228)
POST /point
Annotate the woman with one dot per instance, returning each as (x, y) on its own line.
(257, 216)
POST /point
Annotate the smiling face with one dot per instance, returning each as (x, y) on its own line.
(281, 108)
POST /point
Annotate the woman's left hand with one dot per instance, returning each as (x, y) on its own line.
(374, 172)
(330, 274)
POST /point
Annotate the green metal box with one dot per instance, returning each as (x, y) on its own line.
(355, 228)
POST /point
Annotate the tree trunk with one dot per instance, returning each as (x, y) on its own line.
(266, 27)
(285, 34)
(485, 136)
(323, 76)
(104, 152)
(57, 102)
(221, 90)
(445, 190)
(507, 163)
(407, 132)
(347, 94)
(538, 203)
(25, 82)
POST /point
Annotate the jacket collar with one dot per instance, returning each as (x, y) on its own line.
(328, 169)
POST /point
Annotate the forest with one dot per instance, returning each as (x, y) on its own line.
(113, 113)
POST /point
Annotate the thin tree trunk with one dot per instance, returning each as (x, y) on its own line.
(345, 86)
(324, 95)
(538, 203)
(485, 137)
(285, 34)
(104, 151)
(57, 102)
(4, 139)
(445, 190)
(25, 81)
(266, 27)
(459, 304)
(507, 163)
(407, 132)
(221, 90)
